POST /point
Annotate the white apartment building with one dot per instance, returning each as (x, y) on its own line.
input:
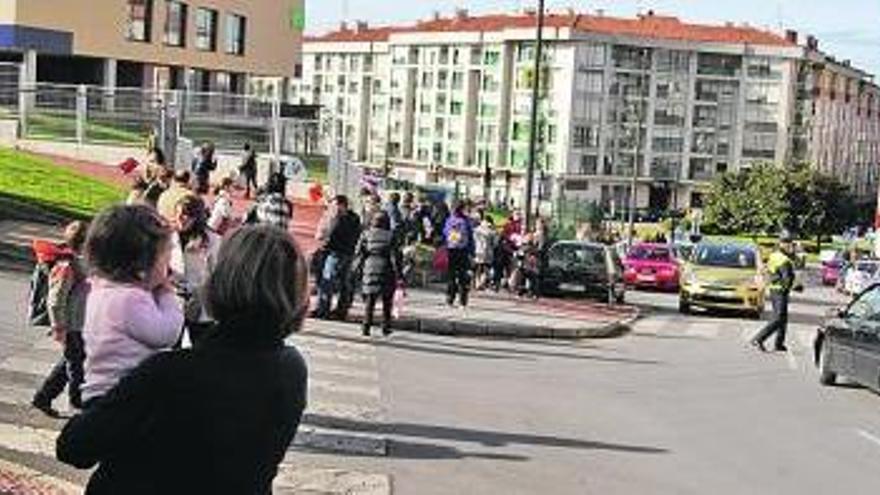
(448, 99)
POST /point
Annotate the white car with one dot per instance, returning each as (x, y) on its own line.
(860, 276)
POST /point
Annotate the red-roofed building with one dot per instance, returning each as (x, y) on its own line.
(448, 99)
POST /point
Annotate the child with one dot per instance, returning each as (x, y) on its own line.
(222, 219)
(66, 301)
(131, 311)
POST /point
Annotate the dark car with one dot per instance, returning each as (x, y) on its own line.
(848, 343)
(584, 267)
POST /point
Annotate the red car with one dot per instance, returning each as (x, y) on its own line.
(652, 266)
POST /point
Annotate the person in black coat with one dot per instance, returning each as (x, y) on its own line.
(217, 418)
(344, 232)
(379, 261)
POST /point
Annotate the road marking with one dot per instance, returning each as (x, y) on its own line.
(27, 365)
(363, 373)
(869, 437)
(343, 388)
(321, 354)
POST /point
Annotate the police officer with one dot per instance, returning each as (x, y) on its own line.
(781, 271)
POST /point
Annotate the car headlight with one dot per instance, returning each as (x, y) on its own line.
(690, 278)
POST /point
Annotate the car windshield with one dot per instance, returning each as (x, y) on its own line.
(650, 253)
(726, 256)
(574, 256)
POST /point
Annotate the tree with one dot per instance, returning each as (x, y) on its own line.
(749, 201)
(766, 198)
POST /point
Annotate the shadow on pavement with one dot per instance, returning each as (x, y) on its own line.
(485, 438)
(465, 350)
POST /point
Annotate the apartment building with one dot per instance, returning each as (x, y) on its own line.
(837, 120)
(673, 103)
(205, 45)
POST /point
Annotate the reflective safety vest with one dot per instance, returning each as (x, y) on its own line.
(781, 271)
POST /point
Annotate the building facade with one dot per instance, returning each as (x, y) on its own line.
(673, 103)
(205, 45)
(837, 120)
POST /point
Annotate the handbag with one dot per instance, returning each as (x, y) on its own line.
(441, 260)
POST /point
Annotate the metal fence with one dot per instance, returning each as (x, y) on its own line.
(130, 116)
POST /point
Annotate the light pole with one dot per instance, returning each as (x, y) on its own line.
(533, 125)
(633, 194)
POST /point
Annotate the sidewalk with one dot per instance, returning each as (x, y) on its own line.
(500, 315)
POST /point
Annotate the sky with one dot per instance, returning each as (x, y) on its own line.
(847, 29)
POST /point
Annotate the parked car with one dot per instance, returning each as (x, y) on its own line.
(848, 343)
(859, 276)
(723, 276)
(832, 267)
(651, 265)
(584, 267)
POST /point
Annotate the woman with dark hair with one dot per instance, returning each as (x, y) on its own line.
(220, 417)
(193, 253)
(379, 261)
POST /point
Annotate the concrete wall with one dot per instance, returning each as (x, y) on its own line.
(272, 46)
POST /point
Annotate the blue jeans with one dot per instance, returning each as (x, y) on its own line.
(335, 278)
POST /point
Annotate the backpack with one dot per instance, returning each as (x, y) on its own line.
(38, 308)
(457, 235)
(47, 254)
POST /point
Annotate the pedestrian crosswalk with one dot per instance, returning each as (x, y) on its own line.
(344, 390)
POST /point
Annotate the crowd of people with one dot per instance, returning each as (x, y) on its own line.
(172, 307)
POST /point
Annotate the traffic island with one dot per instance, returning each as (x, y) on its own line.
(497, 315)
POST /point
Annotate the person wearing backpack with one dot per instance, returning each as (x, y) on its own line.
(66, 306)
(459, 239)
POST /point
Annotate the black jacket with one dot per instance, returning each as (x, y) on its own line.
(378, 259)
(217, 419)
(344, 234)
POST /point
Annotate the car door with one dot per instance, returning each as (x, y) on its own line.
(862, 316)
(866, 341)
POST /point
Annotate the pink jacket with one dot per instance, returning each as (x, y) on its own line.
(124, 325)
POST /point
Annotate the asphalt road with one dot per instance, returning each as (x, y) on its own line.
(682, 405)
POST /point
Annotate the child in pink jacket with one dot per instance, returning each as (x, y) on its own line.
(132, 311)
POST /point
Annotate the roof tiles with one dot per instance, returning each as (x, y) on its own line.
(644, 26)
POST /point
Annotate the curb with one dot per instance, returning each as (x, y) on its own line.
(460, 328)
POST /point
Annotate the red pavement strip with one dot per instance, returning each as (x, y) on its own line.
(18, 480)
(306, 214)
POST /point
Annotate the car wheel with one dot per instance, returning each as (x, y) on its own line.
(826, 375)
(620, 298)
(684, 307)
(756, 314)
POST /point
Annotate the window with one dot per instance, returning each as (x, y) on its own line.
(586, 136)
(592, 55)
(673, 61)
(206, 29)
(140, 20)
(589, 164)
(590, 82)
(175, 23)
(236, 32)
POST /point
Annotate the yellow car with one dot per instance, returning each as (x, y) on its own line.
(723, 276)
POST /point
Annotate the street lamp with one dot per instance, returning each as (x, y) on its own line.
(533, 124)
(633, 202)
